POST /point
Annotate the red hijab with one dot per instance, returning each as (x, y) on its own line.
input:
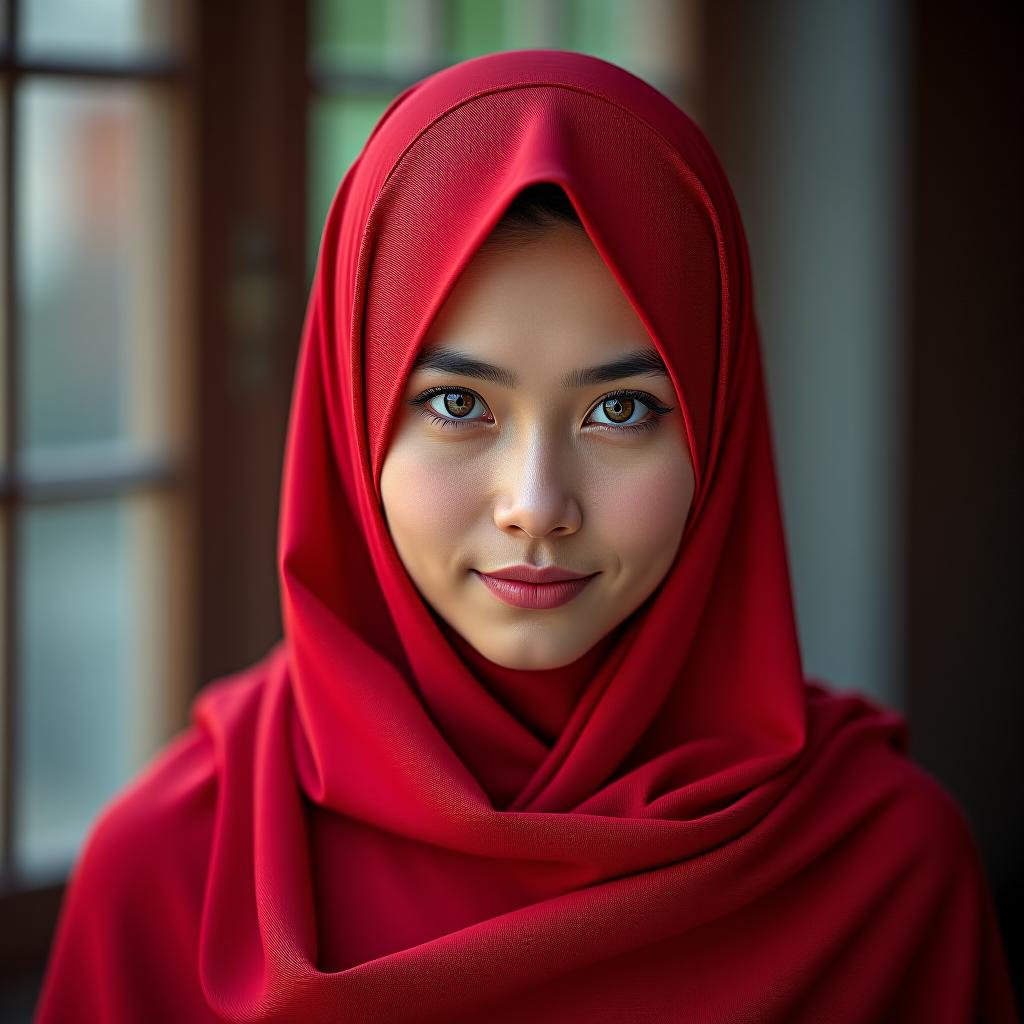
(376, 824)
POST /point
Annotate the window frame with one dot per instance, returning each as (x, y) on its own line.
(32, 904)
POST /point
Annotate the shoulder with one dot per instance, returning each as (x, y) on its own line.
(937, 884)
(932, 824)
(867, 745)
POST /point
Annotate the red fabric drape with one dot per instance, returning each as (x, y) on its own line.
(374, 824)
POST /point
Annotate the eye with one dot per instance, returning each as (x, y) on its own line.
(451, 406)
(462, 405)
(630, 410)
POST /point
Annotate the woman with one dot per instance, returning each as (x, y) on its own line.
(536, 744)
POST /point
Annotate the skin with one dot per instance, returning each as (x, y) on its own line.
(536, 473)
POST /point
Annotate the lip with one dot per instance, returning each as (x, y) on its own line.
(531, 574)
(524, 586)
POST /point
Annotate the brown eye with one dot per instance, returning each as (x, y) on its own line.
(618, 409)
(627, 410)
(459, 403)
(453, 406)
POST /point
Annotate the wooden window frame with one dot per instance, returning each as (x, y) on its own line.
(29, 908)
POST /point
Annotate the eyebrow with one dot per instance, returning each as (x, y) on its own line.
(642, 363)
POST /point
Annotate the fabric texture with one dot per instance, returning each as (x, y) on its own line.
(374, 823)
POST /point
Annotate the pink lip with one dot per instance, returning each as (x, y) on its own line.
(531, 574)
(524, 586)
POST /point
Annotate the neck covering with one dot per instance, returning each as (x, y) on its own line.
(375, 823)
(541, 700)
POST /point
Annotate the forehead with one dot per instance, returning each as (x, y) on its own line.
(532, 305)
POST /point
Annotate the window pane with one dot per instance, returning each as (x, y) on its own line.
(589, 28)
(338, 129)
(414, 35)
(386, 35)
(93, 664)
(656, 39)
(98, 29)
(347, 32)
(477, 27)
(93, 295)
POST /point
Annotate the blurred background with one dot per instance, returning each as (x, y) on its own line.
(165, 169)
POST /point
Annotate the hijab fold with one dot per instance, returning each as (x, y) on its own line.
(375, 823)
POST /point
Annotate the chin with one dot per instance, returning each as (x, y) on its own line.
(530, 652)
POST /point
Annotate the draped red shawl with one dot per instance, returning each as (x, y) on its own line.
(371, 825)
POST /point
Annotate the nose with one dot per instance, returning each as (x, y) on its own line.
(536, 497)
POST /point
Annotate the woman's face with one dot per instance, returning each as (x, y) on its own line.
(521, 443)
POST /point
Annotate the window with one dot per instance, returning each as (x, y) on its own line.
(95, 425)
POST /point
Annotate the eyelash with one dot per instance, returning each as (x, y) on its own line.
(419, 402)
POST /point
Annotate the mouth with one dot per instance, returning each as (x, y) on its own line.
(524, 586)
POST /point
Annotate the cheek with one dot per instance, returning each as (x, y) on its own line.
(428, 503)
(640, 507)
